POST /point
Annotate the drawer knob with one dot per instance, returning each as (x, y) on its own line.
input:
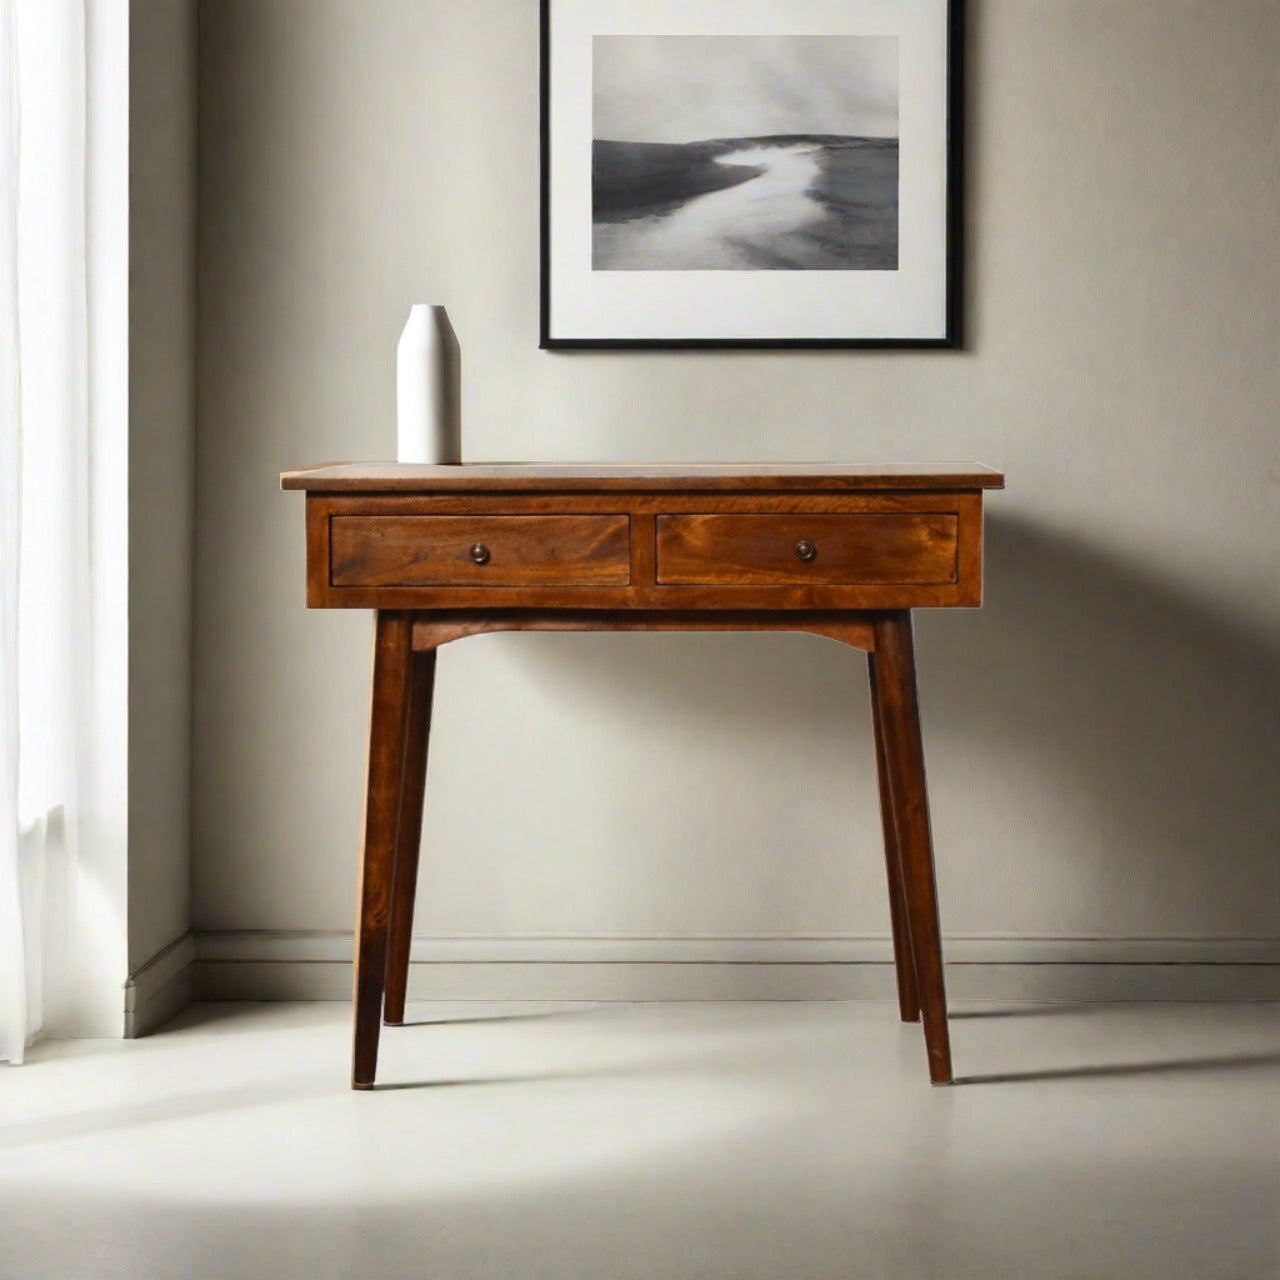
(480, 553)
(805, 550)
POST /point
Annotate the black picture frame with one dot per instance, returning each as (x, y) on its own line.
(952, 257)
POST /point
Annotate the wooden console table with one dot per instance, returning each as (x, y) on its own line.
(444, 552)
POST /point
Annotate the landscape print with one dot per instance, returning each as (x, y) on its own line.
(745, 153)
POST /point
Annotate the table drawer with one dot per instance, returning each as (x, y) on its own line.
(479, 551)
(790, 550)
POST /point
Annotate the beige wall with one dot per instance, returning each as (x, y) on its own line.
(162, 114)
(1102, 736)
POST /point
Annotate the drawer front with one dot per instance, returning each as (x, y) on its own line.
(792, 550)
(479, 551)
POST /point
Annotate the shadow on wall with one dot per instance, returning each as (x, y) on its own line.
(1163, 715)
(1152, 721)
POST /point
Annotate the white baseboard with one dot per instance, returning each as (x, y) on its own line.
(161, 988)
(302, 965)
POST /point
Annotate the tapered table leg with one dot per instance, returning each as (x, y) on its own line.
(388, 706)
(903, 963)
(895, 675)
(404, 884)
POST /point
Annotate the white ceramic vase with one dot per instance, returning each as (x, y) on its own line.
(428, 388)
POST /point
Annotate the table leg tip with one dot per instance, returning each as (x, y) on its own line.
(358, 1084)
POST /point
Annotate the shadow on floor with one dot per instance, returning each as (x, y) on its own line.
(538, 1015)
(1022, 1011)
(545, 1077)
(1167, 1067)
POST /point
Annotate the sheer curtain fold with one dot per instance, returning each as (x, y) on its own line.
(44, 460)
(13, 1011)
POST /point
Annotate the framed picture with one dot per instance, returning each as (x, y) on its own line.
(751, 173)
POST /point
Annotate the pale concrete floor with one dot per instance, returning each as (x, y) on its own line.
(735, 1141)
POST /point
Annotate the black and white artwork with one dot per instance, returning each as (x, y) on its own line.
(773, 173)
(746, 153)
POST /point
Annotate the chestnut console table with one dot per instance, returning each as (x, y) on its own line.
(843, 551)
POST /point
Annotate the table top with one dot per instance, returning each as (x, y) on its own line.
(401, 477)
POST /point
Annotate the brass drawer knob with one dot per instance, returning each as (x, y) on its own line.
(480, 553)
(805, 550)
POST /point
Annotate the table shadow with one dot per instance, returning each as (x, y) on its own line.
(1106, 1070)
(1154, 706)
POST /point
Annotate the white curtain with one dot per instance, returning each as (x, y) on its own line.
(45, 603)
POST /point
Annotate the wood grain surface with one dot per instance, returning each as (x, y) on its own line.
(793, 550)
(440, 626)
(898, 711)
(437, 551)
(404, 880)
(923, 549)
(904, 965)
(396, 477)
(388, 708)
